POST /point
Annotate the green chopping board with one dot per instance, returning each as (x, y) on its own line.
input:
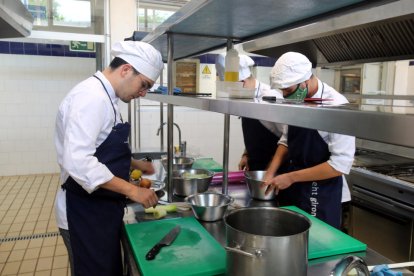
(325, 240)
(193, 252)
(207, 164)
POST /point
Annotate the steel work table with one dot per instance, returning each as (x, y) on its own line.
(316, 267)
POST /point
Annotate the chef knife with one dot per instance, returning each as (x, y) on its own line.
(165, 241)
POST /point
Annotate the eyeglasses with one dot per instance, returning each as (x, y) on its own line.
(145, 85)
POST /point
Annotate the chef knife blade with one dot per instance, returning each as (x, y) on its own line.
(165, 241)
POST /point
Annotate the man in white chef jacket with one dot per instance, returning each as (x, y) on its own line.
(94, 156)
(317, 160)
(260, 137)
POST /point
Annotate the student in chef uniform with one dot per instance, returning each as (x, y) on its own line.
(260, 137)
(94, 156)
(317, 160)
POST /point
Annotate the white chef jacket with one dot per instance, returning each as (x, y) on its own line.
(84, 120)
(263, 89)
(341, 147)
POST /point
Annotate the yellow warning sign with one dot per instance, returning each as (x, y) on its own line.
(206, 70)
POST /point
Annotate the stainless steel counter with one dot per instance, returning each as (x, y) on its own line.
(382, 123)
(317, 267)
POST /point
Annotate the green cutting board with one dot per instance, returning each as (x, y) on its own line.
(325, 240)
(193, 252)
(207, 164)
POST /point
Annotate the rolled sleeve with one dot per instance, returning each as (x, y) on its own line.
(283, 138)
(84, 123)
(342, 148)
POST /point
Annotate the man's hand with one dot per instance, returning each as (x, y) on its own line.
(277, 183)
(243, 165)
(146, 197)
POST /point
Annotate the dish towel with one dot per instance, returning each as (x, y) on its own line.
(383, 270)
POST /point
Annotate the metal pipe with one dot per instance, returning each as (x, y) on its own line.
(170, 111)
(162, 116)
(137, 121)
(226, 142)
(107, 33)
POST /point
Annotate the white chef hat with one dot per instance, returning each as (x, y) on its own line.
(290, 69)
(244, 66)
(142, 56)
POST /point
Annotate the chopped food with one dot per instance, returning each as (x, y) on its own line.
(136, 174)
(188, 175)
(145, 183)
(168, 208)
(160, 213)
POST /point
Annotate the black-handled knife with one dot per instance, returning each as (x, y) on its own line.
(165, 241)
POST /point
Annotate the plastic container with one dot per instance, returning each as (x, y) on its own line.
(231, 66)
(228, 89)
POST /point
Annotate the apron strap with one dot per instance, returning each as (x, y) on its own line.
(110, 100)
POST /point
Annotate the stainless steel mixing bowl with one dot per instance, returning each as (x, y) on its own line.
(179, 163)
(254, 179)
(190, 181)
(209, 206)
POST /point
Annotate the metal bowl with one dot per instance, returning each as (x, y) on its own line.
(179, 163)
(185, 186)
(254, 179)
(209, 206)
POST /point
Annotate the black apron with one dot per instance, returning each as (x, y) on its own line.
(95, 220)
(260, 143)
(319, 198)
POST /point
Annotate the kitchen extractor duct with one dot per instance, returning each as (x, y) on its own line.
(380, 33)
(15, 19)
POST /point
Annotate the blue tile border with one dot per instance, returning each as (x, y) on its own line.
(40, 49)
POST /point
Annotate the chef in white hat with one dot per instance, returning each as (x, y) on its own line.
(94, 156)
(317, 160)
(260, 137)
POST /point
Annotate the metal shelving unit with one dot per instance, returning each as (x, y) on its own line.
(382, 125)
(205, 25)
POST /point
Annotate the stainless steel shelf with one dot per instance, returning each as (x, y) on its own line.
(204, 25)
(387, 124)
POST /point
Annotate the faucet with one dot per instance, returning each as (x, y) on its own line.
(182, 144)
(344, 266)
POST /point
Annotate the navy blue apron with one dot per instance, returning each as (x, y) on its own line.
(321, 198)
(260, 143)
(95, 220)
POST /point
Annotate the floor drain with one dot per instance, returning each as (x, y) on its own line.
(30, 237)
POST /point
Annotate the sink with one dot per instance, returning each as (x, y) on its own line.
(151, 154)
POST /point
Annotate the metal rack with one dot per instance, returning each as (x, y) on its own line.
(205, 25)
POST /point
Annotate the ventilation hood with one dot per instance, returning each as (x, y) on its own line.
(15, 19)
(380, 33)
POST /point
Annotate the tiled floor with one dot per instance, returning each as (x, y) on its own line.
(29, 239)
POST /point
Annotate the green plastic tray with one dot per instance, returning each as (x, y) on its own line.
(193, 252)
(207, 164)
(325, 240)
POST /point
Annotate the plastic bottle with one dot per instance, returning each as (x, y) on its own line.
(231, 68)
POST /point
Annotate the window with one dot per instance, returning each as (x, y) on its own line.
(150, 17)
(79, 16)
(73, 13)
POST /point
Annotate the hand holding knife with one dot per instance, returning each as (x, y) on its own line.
(165, 241)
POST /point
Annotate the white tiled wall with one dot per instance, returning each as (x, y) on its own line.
(31, 88)
(202, 130)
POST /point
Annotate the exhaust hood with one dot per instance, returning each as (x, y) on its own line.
(15, 19)
(380, 33)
